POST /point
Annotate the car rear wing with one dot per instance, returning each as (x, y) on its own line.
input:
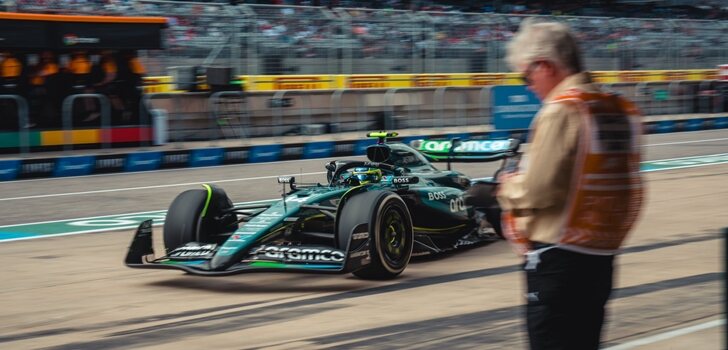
(456, 150)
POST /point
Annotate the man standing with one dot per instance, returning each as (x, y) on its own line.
(577, 193)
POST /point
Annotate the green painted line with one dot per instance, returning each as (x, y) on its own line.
(131, 221)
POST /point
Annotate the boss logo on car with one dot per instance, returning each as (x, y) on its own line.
(404, 180)
(434, 196)
(297, 254)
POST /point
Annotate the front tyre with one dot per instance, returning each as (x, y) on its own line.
(182, 223)
(392, 237)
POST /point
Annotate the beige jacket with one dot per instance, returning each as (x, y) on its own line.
(537, 195)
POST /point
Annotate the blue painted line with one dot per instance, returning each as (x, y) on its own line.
(15, 235)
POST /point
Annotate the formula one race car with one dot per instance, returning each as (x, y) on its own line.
(369, 219)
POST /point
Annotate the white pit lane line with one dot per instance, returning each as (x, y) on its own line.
(667, 335)
(157, 186)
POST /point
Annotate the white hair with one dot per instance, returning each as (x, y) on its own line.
(549, 41)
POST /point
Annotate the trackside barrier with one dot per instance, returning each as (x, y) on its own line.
(336, 107)
(412, 109)
(304, 116)
(486, 104)
(23, 121)
(215, 101)
(462, 103)
(710, 100)
(175, 114)
(67, 119)
(677, 91)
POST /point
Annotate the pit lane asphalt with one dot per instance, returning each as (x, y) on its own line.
(74, 293)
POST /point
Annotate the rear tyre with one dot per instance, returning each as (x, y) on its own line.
(391, 233)
(182, 223)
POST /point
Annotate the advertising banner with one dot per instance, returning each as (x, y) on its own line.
(206, 157)
(143, 161)
(265, 153)
(513, 107)
(9, 169)
(318, 150)
(74, 166)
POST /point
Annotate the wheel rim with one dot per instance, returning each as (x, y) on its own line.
(394, 237)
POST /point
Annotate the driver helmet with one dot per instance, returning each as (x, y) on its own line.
(367, 175)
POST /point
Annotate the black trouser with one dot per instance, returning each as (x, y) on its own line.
(566, 295)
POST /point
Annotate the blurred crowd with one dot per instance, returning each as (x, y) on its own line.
(315, 29)
(397, 28)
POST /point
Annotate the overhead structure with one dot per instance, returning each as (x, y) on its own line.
(28, 31)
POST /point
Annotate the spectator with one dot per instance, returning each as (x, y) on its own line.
(45, 91)
(109, 84)
(578, 194)
(11, 70)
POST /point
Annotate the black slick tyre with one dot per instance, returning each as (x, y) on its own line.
(390, 229)
(183, 220)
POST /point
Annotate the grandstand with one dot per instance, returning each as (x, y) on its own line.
(287, 39)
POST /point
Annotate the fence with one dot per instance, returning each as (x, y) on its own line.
(241, 116)
(274, 40)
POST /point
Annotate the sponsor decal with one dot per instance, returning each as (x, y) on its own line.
(298, 83)
(363, 253)
(73, 39)
(474, 146)
(486, 79)
(265, 153)
(194, 251)
(361, 235)
(109, 163)
(32, 168)
(318, 150)
(143, 161)
(457, 205)
(434, 196)
(677, 75)
(206, 157)
(513, 107)
(299, 254)
(633, 76)
(175, 159)
(286, 179)
(9, 169)
(236, 155)
(280, 102)
(431, 80)
(405, 180)
(74, 166)
(367, 82)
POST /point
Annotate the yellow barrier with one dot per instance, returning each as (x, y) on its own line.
(58, 137)
(387, 81)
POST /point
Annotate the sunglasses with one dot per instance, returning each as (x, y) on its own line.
(526, 76)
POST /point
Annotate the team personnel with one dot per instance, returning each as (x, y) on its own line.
(576, 194)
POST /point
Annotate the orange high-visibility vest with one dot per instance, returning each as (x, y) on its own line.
(607, 193)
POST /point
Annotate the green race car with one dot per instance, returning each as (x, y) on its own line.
(369, 219)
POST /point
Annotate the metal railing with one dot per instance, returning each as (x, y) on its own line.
(196, 116)
(23, 121)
